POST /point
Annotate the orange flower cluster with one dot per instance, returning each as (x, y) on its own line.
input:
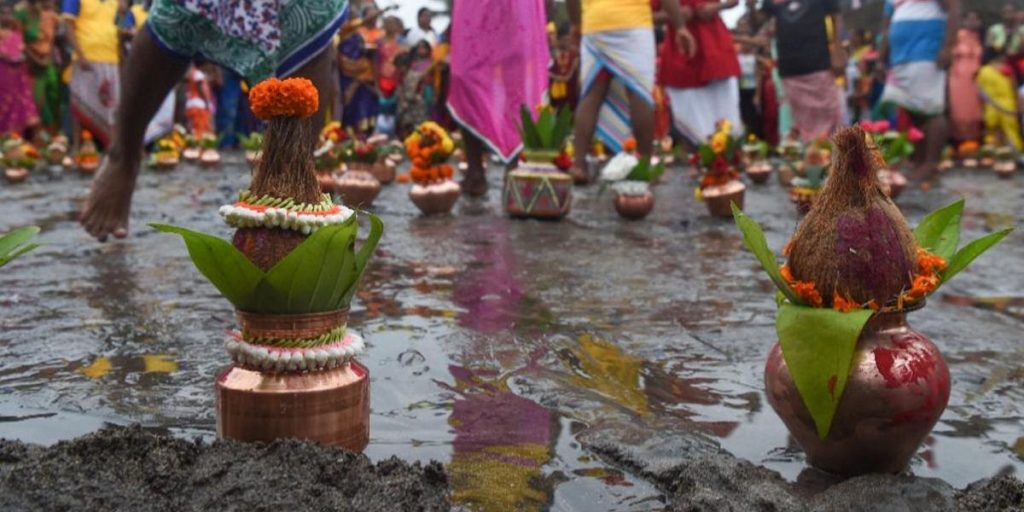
(432, 174)
(715, 179)
(629, 145)
(291, 97)
(927, 278)
(805, 289)
(967, 148)
(86, 135)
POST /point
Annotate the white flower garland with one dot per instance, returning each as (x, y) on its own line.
(278, 359)
(240, 216)
(619, 167)
(631, 187)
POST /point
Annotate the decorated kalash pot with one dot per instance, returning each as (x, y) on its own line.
(540, 186)
(1006, 162)
(807, 186)
(209, 157)
(855, 384)
(792, 154)
(720, 185)
(192, 150)
(630, 178)
(434, 191)
(252, 144)
(19, 159)
(968, 153)
(291, 273)
(383, 168)
(88, 157)
(755, 159)
(358, 185)
(165, 155)
(57, 150)
(327, 157)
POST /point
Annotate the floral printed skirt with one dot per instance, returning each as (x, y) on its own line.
(256, 38)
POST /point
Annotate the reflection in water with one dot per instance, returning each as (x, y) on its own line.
(502, 441)
(488, 290)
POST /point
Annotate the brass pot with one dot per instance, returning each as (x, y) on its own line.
(384, 171)
(331, 407)
(634, 207)
(897, 389)
(436, 198)
(357, 188)
(719, 205)
(16, 174)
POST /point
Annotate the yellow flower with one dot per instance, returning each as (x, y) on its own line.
(448, 145)
(719, 141)
(697, 194)
(751, 138)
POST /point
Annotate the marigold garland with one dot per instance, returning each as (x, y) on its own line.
(428, 148)
(291, 97)
(805, 289)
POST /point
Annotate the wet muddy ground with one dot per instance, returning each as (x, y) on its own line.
(500, 348)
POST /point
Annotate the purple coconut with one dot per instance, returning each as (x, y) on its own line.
(854, 242)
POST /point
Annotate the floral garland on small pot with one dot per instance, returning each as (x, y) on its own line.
(718, 158)
(434, 191)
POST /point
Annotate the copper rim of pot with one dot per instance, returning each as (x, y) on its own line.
(297, 326)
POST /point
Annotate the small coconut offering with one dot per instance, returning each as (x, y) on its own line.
(855, 384)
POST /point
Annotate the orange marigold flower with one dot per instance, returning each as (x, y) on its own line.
(929, 263)
(291, 97)
(808, 292)
(842, 304)
(404, 178)
(86, 135)
(629, 145)
(786, 273)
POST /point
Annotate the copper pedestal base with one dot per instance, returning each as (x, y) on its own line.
(331, 407)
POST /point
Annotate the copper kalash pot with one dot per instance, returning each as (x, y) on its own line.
(897, 389)
(435, 198)
(320, 396)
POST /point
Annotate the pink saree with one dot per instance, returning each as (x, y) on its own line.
(499, 61)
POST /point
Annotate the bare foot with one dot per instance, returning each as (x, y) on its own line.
(110, 199)
(580, 176)
(474, 184)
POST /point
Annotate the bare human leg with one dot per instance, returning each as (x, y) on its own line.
(641, 116)
(936, 133)
(150, 74)
(585, 124)
(475, 183)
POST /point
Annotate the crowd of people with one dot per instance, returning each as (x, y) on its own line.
(659, 71)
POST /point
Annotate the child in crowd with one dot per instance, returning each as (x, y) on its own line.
(199, 106)
(998, 92)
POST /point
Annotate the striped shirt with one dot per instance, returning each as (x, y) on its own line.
(917, 30)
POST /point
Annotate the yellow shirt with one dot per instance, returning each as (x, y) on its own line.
(605, 15)
(95, 28)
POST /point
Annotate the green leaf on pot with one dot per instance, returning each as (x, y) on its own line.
(818, 345)
(363, 256)
(15, 243)
(530, 137)
(939, 232)
(226, 267)
(753, 238)
(969, 252)
(307, 279)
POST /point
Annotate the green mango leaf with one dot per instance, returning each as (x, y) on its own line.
(939, 232)
(563, 127)
(818, 345)
(545, 127)
(970, 252)
(363, 256)
(13, 243)
(305, 280)
(227, 268)
(753, 238)
(530, 137)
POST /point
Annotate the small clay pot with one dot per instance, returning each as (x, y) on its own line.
(88, 167)
(986, 161)
(166, 164)
(328, 183)
(1005, 169)
(16, 174)
(436, 198)
(358, 189)
(67, 162)
(719, 199)
(897, 388)
(970, 163)
(383, 170)
(634, 207)
(209, 158)
(760, 172)
(191, 154)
